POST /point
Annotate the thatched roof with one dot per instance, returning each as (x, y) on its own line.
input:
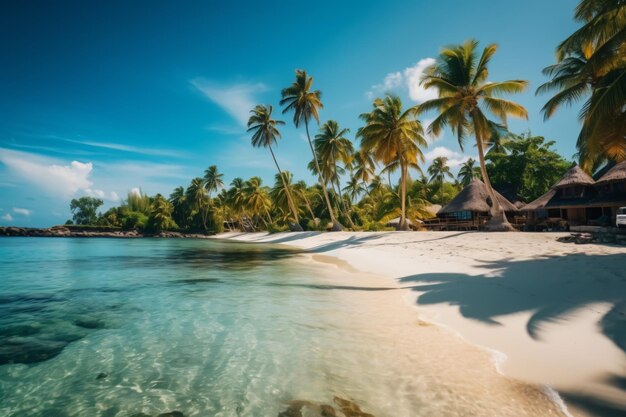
(540, 202)
(617, 173)
(575, 176)
(412, 224)
(474, 197)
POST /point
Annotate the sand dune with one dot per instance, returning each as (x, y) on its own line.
(557, 311)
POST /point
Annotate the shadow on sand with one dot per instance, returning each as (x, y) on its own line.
(550, 288)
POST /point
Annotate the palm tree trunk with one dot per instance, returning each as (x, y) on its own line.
(296, 227)
(346, 209)
(403, 224)
(498, 221)
(308, 206)
(336, 225)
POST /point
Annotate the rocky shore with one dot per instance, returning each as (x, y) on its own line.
(62, 231)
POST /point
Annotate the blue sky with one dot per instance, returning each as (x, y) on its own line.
(98, 98)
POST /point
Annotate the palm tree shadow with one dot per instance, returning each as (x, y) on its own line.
(550, 287)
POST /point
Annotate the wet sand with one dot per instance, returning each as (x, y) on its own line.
(547, 313)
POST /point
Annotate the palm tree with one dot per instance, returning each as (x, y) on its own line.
(394, 136)
(354, 188)
(179, 203)
(465, 100)
(161, 213)
(332, 146)
(302, 190)
(363, 167)
(265, 134)
(305, 104)
(197, 197)
(592, 63)
(213, 180)
(257, 199)
(438, 171)
(468, 172)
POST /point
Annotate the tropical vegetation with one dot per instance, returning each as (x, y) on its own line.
(379, 175)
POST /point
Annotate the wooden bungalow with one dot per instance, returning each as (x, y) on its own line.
(610, 194)
(470, 209)
(578, 200)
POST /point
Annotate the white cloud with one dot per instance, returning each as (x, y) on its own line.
(135, 191)
(455, 159)
(128, 148)
(413, 77)
(51, 175)
(409, 79)
(46, 173)
(237, 100)
(7, 217)
(22, 211)
(112, 196)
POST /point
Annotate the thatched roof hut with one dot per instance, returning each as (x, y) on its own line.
(575, 176)
(396, 222)
(540, 202)
(617, 173)
(475, 198)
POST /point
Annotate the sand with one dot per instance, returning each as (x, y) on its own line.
(553, 314)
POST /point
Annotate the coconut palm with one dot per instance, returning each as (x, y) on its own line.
(197, 197)
(354, 188)
(213, 179)
(266, 134)
(305, 104)
(257, 199)
(332, 147)
(161, 214)
(179, 203)
(393, 136)
(468, 172)
(592, 63)
(438, 172)
(363, 167)
(466, 99)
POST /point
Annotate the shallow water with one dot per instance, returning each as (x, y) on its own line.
(105, 327)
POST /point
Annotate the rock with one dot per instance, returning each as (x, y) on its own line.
(102, 375)
(171, 414)
(89, 323)
(141, 415)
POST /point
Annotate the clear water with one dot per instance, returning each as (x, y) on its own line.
(105, 327)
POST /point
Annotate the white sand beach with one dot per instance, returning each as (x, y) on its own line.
(552, 314)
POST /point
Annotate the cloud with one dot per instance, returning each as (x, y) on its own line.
(22, 211)
(455, 159)
(135, 191)
(112, 196)
(51, 175)
(46, 173)
(409, 80)
(128, 148)
(413, 77)
(7, 217)
(237, 100)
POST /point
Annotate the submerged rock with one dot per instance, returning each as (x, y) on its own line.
(347, 408)
(102, 375)
(171, 414)
(89, 323)
(350, 408)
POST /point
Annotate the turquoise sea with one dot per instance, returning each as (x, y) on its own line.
(121, 328)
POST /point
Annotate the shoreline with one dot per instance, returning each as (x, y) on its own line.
(446, 277)
(92, 232)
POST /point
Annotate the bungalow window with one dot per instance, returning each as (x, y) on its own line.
(463, 215)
